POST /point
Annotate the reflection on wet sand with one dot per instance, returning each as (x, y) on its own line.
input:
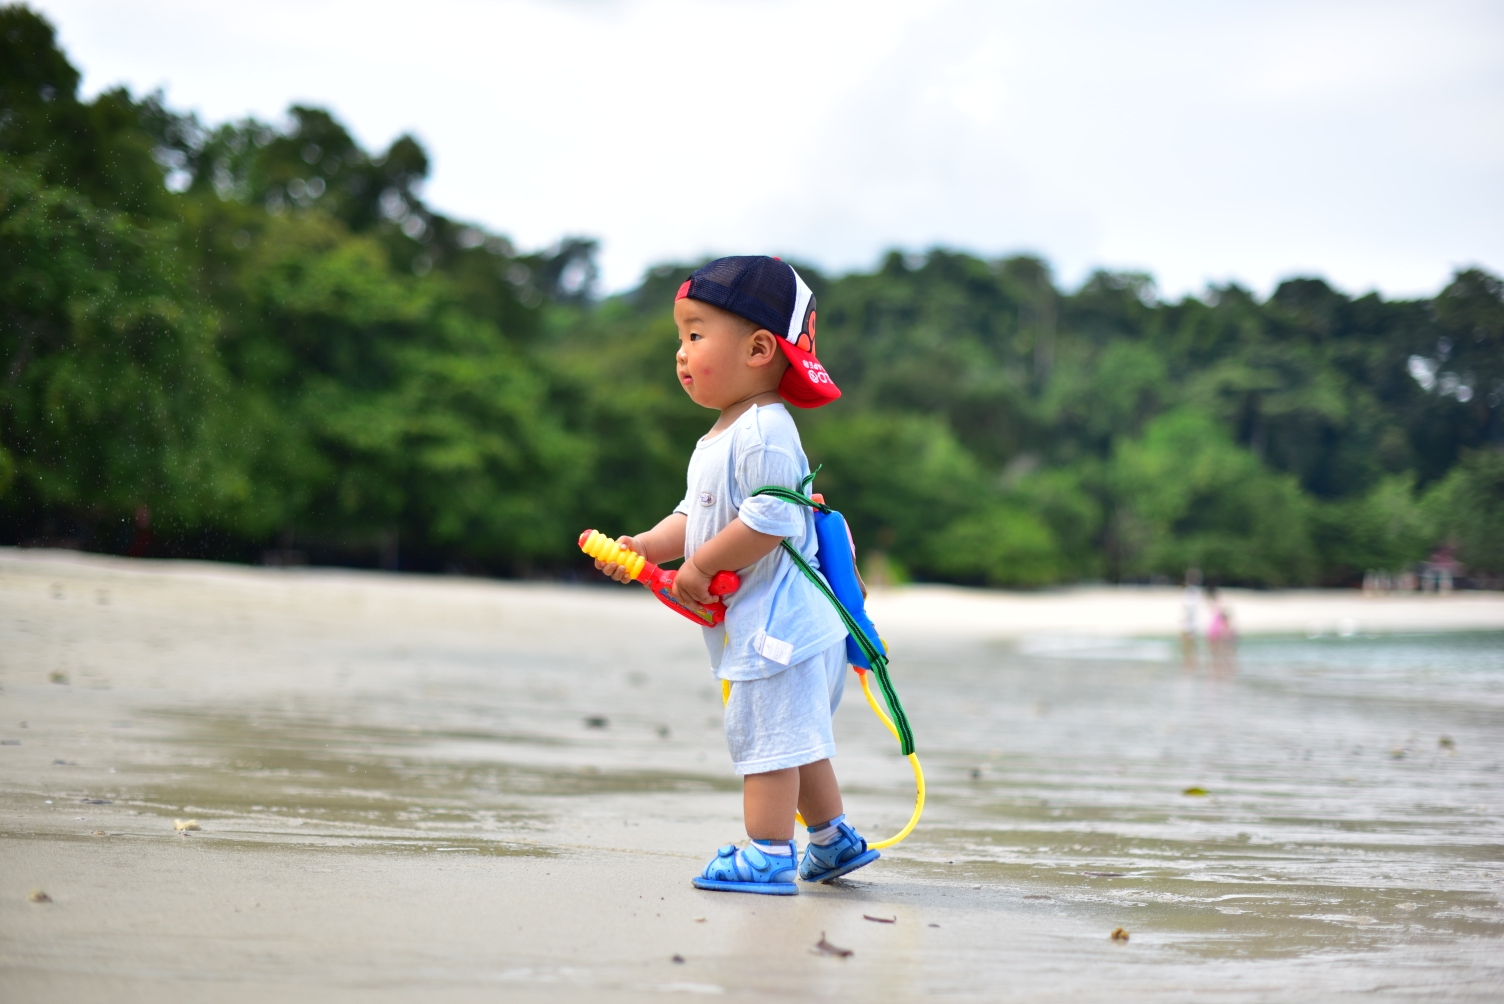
(443, 788)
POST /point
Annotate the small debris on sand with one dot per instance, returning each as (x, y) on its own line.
(1119, 934)
(96, 801)
(1195, 792)
(184, 825)
(100, 833)
(1446, 743)
(823, 947)
(596, 722)
(57, 677)
(38, 896)
(934, 925)
(678, 958)
(699, 920)
(879, 920)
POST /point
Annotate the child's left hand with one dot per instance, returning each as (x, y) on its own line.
(692, 584)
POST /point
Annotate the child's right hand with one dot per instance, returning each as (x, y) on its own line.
(614, 570)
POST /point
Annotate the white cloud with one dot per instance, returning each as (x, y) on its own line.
(1199, 142)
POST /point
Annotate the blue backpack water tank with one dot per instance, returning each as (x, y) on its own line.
(838, 563)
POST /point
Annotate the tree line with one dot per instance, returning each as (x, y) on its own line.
(255, 341)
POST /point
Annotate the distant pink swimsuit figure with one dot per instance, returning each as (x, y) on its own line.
(1220, 637)
(1219, 630)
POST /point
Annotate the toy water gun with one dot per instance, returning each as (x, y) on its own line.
(661, 582)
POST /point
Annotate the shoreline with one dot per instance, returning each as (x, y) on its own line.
(911, 611)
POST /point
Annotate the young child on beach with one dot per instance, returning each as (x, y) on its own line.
(747, 345)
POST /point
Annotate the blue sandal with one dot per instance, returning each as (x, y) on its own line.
(846, 853)
(749, 870)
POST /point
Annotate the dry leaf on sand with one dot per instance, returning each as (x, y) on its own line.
(823, 947)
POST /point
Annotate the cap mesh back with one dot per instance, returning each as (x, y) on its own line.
(756, 287)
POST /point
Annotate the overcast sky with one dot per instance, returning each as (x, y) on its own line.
(1197, 141)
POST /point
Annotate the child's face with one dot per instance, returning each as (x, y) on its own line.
(722, 360)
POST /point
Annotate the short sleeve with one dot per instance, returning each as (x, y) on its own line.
(758, 468)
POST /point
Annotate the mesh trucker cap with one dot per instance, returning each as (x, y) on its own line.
(769, 293)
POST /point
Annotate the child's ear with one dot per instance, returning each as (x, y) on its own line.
(763, 348)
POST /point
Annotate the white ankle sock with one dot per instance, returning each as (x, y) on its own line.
(783, 848)
(827, 833)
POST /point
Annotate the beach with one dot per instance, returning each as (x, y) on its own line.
(408, 787)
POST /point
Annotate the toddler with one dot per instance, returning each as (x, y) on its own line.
(747, 345)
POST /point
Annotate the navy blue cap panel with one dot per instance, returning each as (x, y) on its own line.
(761, 289)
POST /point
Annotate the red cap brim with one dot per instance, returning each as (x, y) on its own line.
(805, 383)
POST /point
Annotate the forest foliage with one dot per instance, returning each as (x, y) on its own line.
(256, 339)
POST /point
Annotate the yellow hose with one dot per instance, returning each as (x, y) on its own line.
(913, 762)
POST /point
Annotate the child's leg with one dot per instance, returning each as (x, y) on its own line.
(767, 864)
(772, 721)
(834, 847)
(769, 799)
(819, 794)
(768, 802)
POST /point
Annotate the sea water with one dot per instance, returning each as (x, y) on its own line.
(1310, 797)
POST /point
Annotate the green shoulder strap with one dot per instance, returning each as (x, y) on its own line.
(869, 646)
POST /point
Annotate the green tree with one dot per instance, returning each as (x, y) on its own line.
(112, 394)
(1387, 529)
(1003, 544)
(266, 335)
(1467, 508)
(1186, 495)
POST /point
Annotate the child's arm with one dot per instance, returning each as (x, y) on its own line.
(733, 548)
(664, 542)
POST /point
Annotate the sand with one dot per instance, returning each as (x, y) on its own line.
(453, 789)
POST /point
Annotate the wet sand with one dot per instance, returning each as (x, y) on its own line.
(450, 789)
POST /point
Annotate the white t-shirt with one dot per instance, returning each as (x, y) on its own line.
(777, 617)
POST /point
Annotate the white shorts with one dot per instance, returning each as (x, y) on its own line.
(783, 720)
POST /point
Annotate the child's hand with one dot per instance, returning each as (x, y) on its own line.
(614, 570)
(692, 584)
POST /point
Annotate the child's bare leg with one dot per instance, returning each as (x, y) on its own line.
(768, 802)
(819, 794)
(768, 864)
(769, 799)
(834, 848)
